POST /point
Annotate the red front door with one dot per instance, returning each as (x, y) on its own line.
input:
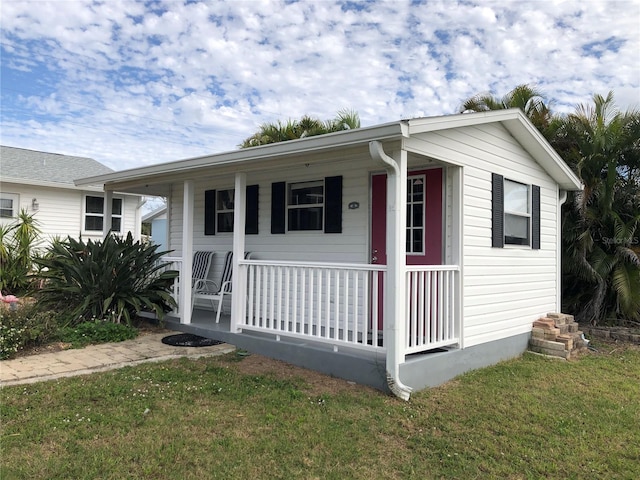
(424, 220)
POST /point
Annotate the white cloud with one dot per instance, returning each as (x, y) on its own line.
(131, 84)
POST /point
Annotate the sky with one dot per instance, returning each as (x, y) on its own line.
(133, 83)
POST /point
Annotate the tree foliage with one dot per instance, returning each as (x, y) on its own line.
(305, 127)
(601, 223)
(113, 279)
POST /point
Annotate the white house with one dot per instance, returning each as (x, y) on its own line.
(398, 255)
(43, 184)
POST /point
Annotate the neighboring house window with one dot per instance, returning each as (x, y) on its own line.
(94, 214)
(219, 206)
(515, 213)
(8, 205)
(415, 214)
(307, 206)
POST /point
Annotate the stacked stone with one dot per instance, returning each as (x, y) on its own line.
(557, 335)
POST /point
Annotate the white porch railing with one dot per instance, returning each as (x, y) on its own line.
(342, 304)
(331, 303)
(431, 296)
(175, 263)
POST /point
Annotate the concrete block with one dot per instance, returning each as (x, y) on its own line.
(563, 328)
(546, 323)
(567, 340)
(551, 334)
(548, 344)
(537, 332)
(573, 327)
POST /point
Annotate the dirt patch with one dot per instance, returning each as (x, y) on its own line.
(318, 384)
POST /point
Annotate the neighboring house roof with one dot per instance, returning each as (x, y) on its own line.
(513, 120)
(154, 214)
(19, 165)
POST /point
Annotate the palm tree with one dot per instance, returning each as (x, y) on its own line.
(601, 225)
(305, 127)
(525, 97)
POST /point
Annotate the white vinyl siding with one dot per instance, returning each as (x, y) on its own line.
(506, 289)
(60, 211)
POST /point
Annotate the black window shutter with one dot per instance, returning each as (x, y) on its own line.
(497, 210)
(251, 220)
(210, 212)
(333, 204)
(278, 207)
(535, 217)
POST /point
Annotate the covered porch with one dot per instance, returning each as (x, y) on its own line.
(330, 315)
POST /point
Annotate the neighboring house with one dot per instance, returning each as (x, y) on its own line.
(397, 255)
(43, 184)
(157, 221)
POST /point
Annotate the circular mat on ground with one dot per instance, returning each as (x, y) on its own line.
(189, 340)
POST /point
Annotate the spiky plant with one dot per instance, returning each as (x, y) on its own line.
(110, 279)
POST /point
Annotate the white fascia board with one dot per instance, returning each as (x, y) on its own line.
(258, 154)
(39, 183)
(516, 122)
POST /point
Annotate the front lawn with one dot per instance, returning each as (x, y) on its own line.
(222, 417)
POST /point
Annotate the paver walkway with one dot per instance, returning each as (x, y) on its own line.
(98, 358)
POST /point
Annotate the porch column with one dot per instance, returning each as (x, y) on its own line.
(184, 299)
(238, 280)
(108, 213)
(395, 306)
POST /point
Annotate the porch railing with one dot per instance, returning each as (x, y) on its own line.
(431, 303)
(175, 263)
(339, 304)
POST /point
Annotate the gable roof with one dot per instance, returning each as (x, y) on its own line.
(513, 120)
(19, 165)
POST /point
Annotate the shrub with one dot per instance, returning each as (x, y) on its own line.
(17, 242)
(114, 278)
(96, 331)
(25, 327)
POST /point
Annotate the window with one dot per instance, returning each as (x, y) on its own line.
(94, 214)
(305, 205)
(8, 205)
(219, 206)
(515, 213)
(415, 214)
(224, 210)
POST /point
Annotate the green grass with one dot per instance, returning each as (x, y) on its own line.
(200, 419)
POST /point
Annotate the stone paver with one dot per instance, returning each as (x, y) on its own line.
(97, 358)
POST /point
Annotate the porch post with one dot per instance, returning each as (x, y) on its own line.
(238, 278)
(395, 307)
(184, 300)
(108, 213)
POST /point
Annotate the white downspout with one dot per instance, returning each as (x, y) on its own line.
(562, 198)
(394, 307)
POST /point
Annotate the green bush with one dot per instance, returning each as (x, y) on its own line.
(96, 331)
(17, 242)
(26, 326)
(114, 279)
